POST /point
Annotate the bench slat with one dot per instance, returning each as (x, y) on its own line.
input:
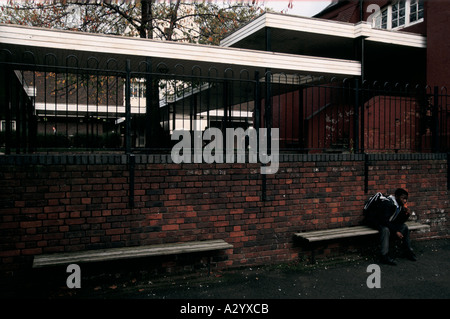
(318, 236)
(346, 232)
(128, 252)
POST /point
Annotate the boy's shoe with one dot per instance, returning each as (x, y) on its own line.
(411, 256)
(385, 259)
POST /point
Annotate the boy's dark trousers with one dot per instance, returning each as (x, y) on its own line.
(385, 234)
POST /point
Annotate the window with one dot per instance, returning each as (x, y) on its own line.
(399, 14)
(415, 10)
(381, 20)
(137, 88)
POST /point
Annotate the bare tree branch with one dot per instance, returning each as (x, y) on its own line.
(175, 20)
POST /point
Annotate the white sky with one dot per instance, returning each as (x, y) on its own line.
(306, 8)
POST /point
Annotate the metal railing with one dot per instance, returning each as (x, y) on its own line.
(92, 105)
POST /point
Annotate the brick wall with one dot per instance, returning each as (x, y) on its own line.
(56, 203)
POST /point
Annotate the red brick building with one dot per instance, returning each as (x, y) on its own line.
(404, 75)
(428, 18)
(428, 67)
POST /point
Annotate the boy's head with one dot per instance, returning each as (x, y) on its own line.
(401, 196)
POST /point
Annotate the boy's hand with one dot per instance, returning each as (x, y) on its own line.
(399, 235)
(406, 209)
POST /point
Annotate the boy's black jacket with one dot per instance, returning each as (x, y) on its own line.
(380, 213)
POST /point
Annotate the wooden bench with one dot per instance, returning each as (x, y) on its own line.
(347, 232)
(129, 252)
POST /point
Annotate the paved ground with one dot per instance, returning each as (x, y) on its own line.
(343, 278)
(428, 277)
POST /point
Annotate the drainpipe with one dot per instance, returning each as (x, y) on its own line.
(361, 13)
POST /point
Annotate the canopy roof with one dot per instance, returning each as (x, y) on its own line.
(51, 47)
(386, 54)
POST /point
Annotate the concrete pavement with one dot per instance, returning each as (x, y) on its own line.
(340, 278)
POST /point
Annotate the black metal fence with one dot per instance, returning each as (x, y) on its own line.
(91, 105)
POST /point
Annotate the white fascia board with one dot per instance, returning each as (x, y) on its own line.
(291, 23)
(391, 37)
(311, 25)
(250, 28)
(86, 42)
(49, 108)
(413, 42)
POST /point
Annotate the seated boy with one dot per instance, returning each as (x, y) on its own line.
(388, 215)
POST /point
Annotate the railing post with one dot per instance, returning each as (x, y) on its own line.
(435, 115)
(361, 120)
(226, 109)
(128, 107)
(148, 101)
(366, 173)
(356, 117)
(267, 112)
(131, 168)
(448, 171)
(257, 102)
(257, 127)
(8, 106)
(301, 120)
(268, 108)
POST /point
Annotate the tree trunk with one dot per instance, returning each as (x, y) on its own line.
(173, 20)
(146, 29)
(154, 133)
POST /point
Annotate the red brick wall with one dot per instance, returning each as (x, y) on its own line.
(425, 179)
(76, 202)
(438, 46)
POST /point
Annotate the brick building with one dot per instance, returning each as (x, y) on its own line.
(427, 18)
(400, 50)
(427, 67)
